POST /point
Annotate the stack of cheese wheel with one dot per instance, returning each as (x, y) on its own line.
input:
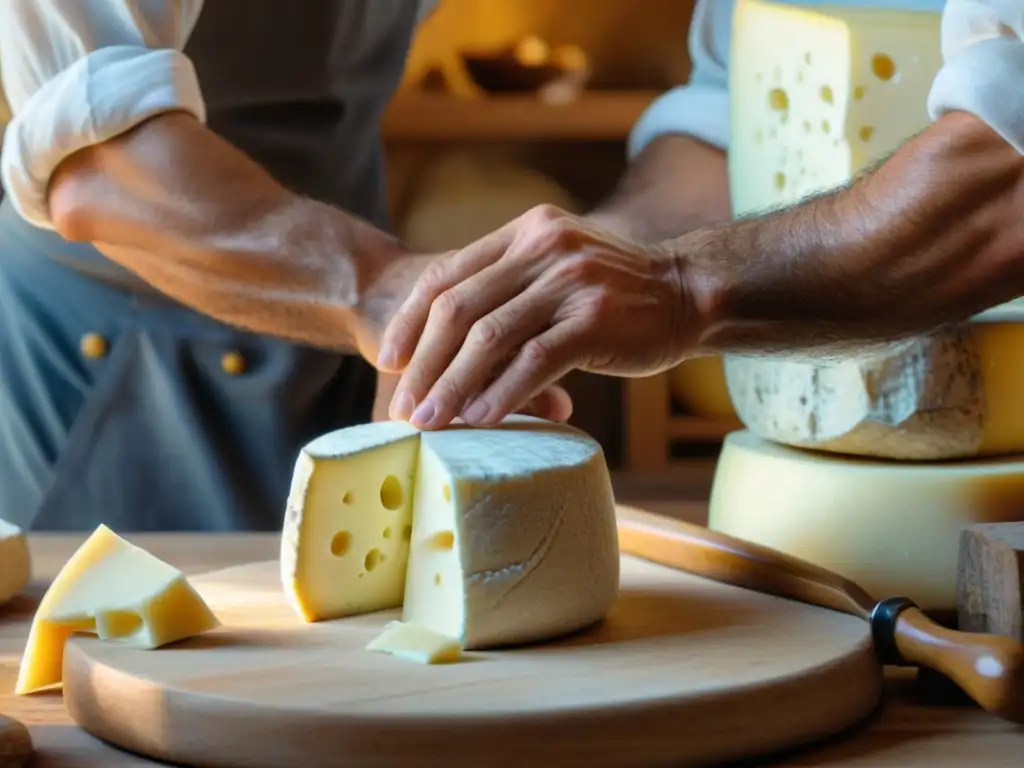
(868, 465)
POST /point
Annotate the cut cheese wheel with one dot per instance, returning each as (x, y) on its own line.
(952, 394)
(492, 536)
(15, 562)
(817, 95)
(893, 528)
(117, 591)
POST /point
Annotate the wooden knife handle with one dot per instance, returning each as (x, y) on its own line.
(719, 557)
(989, 668)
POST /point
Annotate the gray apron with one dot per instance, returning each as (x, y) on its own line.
(118, 405)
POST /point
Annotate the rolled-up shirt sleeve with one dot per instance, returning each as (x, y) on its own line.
(983, 65)
(77, 73)
(701, 107)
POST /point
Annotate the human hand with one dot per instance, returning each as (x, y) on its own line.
(487, 329)
(389, 285)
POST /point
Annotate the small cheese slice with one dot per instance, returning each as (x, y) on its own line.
(492, 536)
(416, 643)
(891, 527)
(818, 94)
(15, 562)
(117, 591)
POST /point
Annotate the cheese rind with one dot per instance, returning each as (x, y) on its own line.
(893, 528)
(816, 95)
(951, 394)
(15, 561)
(117, 591)
(512, 539)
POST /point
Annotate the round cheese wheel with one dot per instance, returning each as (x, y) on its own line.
(465, 196)
(950, 394)
(893, 528)
(15, 564)
(698, 387)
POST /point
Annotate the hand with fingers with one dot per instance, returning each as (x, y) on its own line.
(492, 327)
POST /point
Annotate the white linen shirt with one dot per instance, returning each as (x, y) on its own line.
(982, 72)
(79, 72)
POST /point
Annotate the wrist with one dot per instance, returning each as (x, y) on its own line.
(701, 291)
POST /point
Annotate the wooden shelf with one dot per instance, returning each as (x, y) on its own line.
(597, 115)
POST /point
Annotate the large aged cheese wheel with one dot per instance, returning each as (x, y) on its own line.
(464, 196)
(956, 393)
(893, 528)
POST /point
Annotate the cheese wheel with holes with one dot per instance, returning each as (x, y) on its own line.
(491, 536)
(893, 528)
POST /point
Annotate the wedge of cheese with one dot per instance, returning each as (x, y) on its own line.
(818, 94)
(893, 528)
(15, 562)
(952, 394)
(115, 590)
(490, 536)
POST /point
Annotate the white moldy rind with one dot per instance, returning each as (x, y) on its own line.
(920, 402)
(538, 537)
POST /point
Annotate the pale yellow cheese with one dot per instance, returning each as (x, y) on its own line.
(492, 536)
(893, 528)
(416, 643)
(15, 562)
(117, 591)
(818, 94)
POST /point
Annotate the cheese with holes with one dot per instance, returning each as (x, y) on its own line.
(816, 95)
(115, 590)
(951, 394)
(893, 528)
(416, 643)
(491, 536)
(15, 563)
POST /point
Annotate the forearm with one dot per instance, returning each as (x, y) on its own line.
(932, 237)
(676, 184)
(201, 222)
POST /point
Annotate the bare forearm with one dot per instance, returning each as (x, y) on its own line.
(933, 236)
(201, 222)
(675, 185)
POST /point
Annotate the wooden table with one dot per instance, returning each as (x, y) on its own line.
(903, 733)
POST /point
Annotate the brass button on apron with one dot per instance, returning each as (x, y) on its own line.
(233, 363)
(93, 345)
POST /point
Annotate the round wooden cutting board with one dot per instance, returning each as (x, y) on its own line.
(682, 670)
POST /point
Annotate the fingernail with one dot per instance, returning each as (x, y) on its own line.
(387, 357)
(476, 412)
(401, 409)
(424, 414)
